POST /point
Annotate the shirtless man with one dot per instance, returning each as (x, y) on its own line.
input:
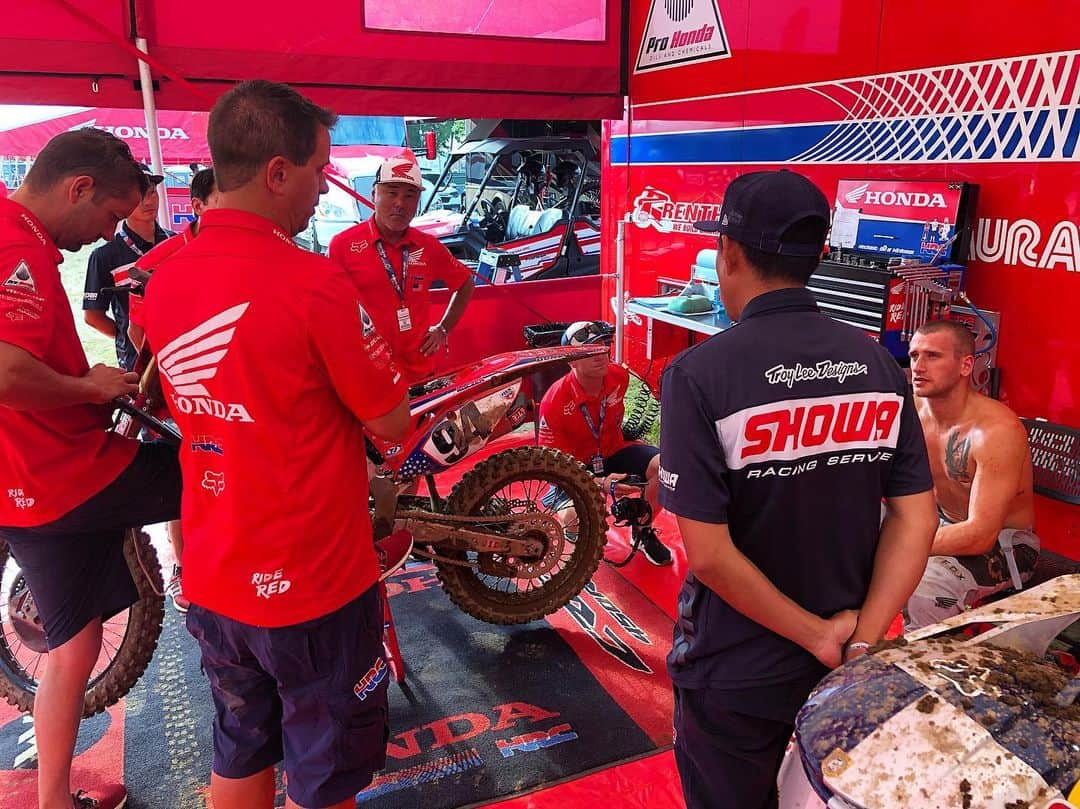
(982, 480)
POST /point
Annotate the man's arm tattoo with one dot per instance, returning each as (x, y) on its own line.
(957, 453)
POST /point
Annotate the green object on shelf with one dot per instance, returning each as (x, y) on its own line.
(690, 305)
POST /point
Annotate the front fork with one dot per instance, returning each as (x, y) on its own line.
(384, 492)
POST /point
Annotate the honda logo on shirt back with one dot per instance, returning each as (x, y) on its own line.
(192, 359)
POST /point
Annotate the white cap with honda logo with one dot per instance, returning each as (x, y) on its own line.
(399, 170)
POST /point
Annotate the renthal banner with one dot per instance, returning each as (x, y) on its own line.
(657, 209)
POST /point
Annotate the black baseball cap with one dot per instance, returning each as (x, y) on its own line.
(760, 206)
(153, 179)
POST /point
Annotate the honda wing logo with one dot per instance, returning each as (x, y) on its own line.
(134, 132)
(862, 194)
(192, 359)
(855, 195)
(403, 170)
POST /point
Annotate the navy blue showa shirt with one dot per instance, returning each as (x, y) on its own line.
(790, 428)
(99, 280)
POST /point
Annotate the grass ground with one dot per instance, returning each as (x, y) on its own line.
(653, 435)
(99, 348)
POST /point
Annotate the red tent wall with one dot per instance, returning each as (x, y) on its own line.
(512, 68)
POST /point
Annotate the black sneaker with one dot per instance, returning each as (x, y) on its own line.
(653, 549)
(111, 797)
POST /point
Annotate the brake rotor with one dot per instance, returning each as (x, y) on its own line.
(23, 612)
(552, 538)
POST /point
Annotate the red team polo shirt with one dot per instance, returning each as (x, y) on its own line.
(354, 249)
(563, 426)
(153, 257)
(50, 460)
(267, 372)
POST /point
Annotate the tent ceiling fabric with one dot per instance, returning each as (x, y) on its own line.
(326, 52)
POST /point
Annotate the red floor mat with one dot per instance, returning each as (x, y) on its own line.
(648, 783)
(161, 733)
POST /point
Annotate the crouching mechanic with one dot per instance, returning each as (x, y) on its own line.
(981, 464)
(272, 373)
(582, 415)
(394, 265)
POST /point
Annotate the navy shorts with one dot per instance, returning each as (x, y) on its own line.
(726, 759)
(313, 694)
(631, 460)
(75, 565)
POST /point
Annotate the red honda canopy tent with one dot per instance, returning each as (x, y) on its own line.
(182, 134)
(467, 58)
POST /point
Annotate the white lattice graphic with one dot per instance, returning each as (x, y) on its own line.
(1005, 109)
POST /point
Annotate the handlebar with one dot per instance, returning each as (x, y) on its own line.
(168, 433)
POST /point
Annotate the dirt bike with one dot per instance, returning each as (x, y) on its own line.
(949, 718)
(500, 554)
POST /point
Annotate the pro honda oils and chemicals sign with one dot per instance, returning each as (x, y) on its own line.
(678, 32)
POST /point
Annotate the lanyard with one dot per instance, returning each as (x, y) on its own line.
(131, 244)
(399, 286)
(594, 428)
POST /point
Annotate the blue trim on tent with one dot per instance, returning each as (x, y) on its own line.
(374, 130)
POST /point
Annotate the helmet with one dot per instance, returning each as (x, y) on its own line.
(587, 332)
(565, 173)
(531, 164)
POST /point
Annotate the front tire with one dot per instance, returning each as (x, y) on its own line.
(519, 478)
(136, 632)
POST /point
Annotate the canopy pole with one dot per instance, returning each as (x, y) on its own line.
(620, 243)
(153, 135)
(620, 288)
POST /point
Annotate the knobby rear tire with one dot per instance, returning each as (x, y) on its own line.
(473, 492)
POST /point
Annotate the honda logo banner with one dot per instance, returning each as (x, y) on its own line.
(904, 218)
